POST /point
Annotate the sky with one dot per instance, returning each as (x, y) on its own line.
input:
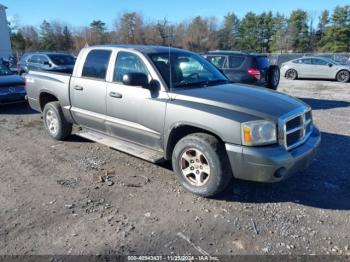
(82, 12)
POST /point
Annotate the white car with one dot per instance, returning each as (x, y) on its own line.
(315, 67)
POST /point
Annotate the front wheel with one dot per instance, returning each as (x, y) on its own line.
(201, 165)
(291, 74)
(343, 76)
(55, 123)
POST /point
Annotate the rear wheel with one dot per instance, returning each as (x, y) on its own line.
(343, 76)
(55, 123)
(201, 164)
(291, 74)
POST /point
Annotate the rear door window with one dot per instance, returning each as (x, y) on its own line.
(35, 59)
(307, 61)
(96, 64)
(25, 58)
(62, 59)
(235, 61)
(218, 60)
(262, 62)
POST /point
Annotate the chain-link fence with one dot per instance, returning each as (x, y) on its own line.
(279, 59)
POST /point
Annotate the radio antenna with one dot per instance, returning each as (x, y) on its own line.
(170, 65)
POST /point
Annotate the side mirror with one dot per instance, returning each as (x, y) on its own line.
(330, 65)
(47, 63)
(136, 79)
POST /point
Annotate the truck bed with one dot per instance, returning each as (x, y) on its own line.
(41, 82)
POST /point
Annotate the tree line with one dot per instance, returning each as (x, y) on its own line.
(264, 32)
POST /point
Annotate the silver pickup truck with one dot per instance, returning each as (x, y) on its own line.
(160, 103)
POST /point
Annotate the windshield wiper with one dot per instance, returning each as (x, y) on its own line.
(204, 83)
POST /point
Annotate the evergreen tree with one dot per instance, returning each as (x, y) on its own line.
(229, 34)
(248, 30)
(279, 34)
(321, 29)
(98, 32)
(337, 35)
(47, 37)
(67, 41)
(298, 31)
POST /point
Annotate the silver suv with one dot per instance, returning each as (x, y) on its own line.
(55, 62)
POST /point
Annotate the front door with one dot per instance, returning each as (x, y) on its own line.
(322, 68)
(134, 113)
(88, 91)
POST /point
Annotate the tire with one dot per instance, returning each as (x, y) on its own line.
(55, 122)
(291, 74)
(273, 77)
(343, 76)
(210, 162)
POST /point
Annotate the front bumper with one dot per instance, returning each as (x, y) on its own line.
(12, 95)
(271, 163)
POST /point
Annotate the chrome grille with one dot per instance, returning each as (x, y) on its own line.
(295, 128)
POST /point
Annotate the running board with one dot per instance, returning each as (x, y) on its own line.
(124, 146)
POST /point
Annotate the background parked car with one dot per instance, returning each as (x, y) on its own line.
(57, 62)
(11, 86)
(10, 62)
(247, 68)
(316, 68)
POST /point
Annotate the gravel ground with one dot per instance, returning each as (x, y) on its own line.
(78, 197)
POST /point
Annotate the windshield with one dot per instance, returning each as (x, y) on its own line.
(62, 59)
(187, 70)
(4, 71)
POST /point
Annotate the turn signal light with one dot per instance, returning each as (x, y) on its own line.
(247, 136)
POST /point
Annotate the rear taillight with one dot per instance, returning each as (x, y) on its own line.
(254, 72)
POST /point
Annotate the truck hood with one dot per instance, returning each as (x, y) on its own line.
(11, 81)
(256, 101)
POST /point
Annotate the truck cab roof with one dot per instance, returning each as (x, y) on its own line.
(145, 49)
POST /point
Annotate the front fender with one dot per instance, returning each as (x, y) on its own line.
(224, 123)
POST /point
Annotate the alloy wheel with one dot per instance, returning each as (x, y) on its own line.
(194, 167)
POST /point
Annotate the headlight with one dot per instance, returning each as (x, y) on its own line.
(260, 132)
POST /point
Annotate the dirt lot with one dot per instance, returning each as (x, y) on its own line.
(53, 202)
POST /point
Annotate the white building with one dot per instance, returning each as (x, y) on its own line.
(5, 43)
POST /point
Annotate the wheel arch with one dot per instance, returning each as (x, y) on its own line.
(46, 97)
(180, 131)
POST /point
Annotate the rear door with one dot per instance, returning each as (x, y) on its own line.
(306, 68)
(88, 90)
(34, 62)
(220, 61)
(234, 70)
(135, 113)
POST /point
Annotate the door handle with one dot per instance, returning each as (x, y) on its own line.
(115, 95)
(79, 88)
